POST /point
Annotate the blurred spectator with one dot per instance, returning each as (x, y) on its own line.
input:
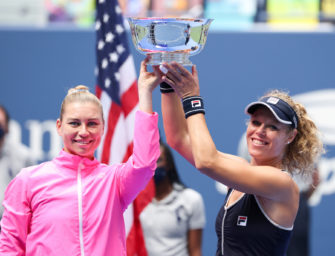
(173, 222)
(260, 15)
(23, 13)
(79, 12)
(228, 14)
(13, 156)
(327, 11)
(134, 8)
(176, 8)
(163, 8)
(302, 12)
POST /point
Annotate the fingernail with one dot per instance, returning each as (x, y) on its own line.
(163, 69)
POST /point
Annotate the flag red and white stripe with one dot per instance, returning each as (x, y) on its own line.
(117, 89)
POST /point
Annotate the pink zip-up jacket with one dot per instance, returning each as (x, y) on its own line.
(73, 205)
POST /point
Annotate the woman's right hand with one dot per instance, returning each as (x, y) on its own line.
(148, 81)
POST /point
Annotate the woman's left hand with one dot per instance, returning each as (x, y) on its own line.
(183, 82)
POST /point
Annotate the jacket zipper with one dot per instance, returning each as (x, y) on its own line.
(80, 210)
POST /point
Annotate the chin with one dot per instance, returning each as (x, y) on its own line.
(84, 154)
(256, 154)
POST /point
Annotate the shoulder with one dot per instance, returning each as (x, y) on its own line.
(24, 177)
(193, 203)
(291, 181)
(34, 170)
(191, 195)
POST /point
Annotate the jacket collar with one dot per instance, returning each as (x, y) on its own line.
(70, 161)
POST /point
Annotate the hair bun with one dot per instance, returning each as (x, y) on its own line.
(78, 88)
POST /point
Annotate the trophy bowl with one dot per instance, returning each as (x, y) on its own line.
(169, 39)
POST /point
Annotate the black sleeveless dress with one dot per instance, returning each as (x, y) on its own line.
(243, 229)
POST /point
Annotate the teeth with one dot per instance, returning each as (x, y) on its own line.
(258, 142)
(82, 142)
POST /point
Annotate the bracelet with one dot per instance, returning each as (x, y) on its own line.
(165, 88)
(193, 105)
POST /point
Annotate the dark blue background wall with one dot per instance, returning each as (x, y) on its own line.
(37, 66)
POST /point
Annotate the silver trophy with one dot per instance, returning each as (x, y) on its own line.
(169, 39)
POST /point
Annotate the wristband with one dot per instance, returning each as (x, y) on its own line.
(193, 105)
(165, 88)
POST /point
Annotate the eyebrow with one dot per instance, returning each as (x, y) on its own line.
(78, 119)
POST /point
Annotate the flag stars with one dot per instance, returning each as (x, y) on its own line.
(101, 45)
(120, 49)
(117, 76)
(118, 9)
(97, 25)
(101, 1)
(119, 29)
(109, 37)
(113, 57)
(104, 63)
(108, 82)
(105, 18)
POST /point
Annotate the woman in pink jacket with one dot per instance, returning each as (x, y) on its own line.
(73, 205)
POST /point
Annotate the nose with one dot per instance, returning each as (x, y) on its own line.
(83, 131)
(260, 130)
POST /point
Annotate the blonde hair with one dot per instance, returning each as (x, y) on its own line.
(80, 93)
(303, 152)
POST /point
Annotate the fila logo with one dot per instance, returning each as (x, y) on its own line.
(195, 103)
(242, 220)
(273, 100)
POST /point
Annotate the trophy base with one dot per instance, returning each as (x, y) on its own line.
(158, 58)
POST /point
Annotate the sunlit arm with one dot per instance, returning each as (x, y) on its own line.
(175, 126)
(147, 82)
(266, 181)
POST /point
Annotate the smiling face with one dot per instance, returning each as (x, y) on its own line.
(81, 128)
(267, 138)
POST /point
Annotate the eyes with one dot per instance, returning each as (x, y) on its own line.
(271, 127)
(76, 123)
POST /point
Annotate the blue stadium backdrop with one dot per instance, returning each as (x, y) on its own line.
(38, 66)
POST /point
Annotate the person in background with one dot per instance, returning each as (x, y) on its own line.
(173, 222)
(163, 8)
(73, 204)
(177, 8)
(134, 8)
(259, 211)
(13, 156)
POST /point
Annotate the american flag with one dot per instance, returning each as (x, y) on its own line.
(117, 89)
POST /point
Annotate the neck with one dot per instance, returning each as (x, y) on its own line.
(269, 162)
(163, 189)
